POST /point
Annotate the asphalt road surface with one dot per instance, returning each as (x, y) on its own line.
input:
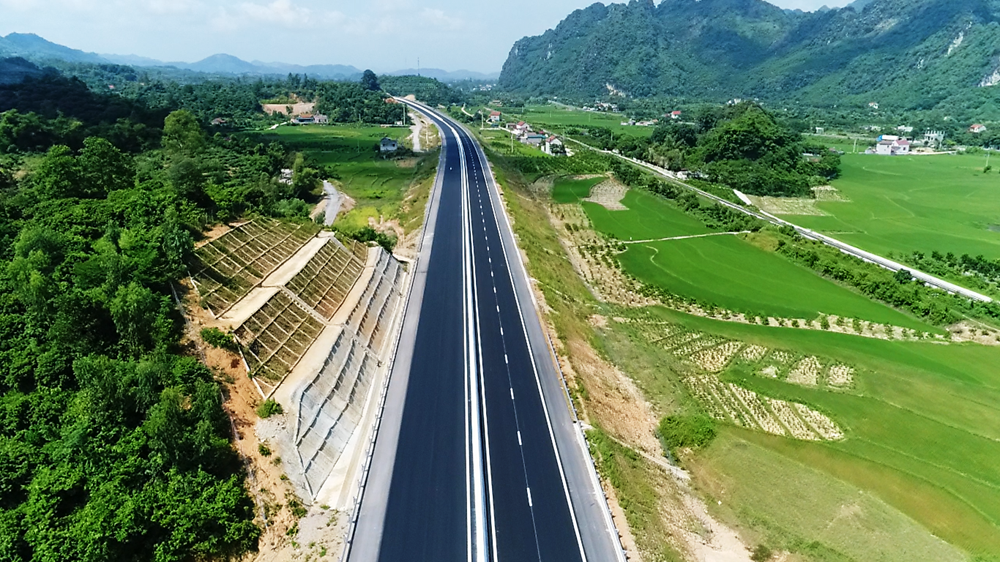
(478, 457)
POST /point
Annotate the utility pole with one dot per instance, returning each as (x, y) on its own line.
(855, 146)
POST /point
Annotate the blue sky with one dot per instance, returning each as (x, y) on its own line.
(384, 35)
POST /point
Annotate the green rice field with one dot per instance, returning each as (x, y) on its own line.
(938, 203)
(648, 218)
(922, 423)
(731, 273)
(569, 190)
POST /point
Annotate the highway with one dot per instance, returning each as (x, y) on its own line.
(477, 456)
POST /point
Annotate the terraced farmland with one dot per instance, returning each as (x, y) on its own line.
(228, 268)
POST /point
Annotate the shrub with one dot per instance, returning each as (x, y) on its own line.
(269, 408)
(217, 338)
(687, 431)
(264, 450)
(761, 554)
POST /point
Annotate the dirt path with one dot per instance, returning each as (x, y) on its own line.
(417, 128)
(686, 237)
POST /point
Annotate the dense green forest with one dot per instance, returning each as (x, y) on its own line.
(741, 146)
(113, 441)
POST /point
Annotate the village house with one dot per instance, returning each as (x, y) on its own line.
(933, 138)
(977, 128)
(553, 146)
(305, 119)
(533, 139)
(494, 117)
(387, 145)
(889, 145)
(675, 114)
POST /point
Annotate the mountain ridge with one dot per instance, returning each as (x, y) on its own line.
(917, 54)
(36, 49)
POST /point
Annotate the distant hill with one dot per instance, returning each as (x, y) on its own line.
(36, 49)
(32, 47)
(912, 54)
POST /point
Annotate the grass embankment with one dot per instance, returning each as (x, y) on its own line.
(377, 185)
(941, 203)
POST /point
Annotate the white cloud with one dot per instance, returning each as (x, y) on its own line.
(171, 7)
(281, 12)
(441, 20)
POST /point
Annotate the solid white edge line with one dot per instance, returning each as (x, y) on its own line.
(538, 382)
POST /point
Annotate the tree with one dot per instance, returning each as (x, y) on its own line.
(58, 175)
(370, 81)
(104, 168)
(182, 135)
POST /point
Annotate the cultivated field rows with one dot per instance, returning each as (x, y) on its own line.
(714, 354)
(730, 403)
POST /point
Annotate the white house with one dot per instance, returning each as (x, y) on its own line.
(977, 128)
(494, 117)
(933, 137)
(553, 145)
(892, 147)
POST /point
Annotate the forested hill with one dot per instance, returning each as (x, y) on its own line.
(916, 54)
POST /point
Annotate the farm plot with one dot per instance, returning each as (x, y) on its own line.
(713, 354)
(228, 268)
(277, 336)
(326, 280)
(648, 217)
(915, 203)
(733, 404)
